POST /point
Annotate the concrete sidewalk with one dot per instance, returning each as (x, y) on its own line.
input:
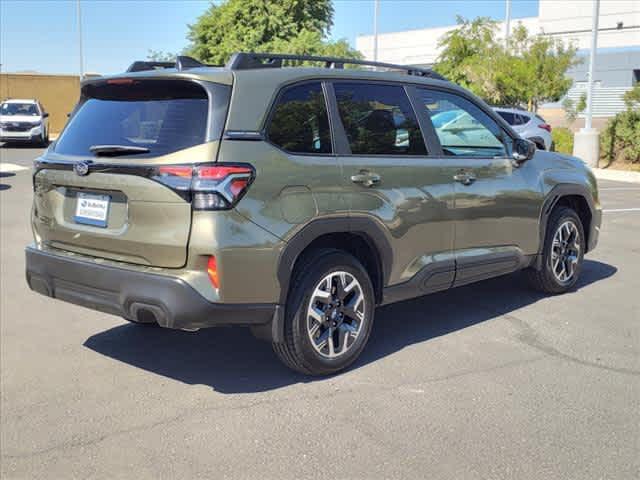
(617, 175)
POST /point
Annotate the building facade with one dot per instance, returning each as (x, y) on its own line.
(618, 56)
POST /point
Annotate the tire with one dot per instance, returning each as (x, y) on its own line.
(571, 255)
(311, 341)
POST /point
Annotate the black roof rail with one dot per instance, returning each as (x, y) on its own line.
(182, 62)
(249, 61)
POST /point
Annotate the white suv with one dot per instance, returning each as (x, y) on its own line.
(528, 125)
(24, 121)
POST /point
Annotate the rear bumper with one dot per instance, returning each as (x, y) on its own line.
(142, 296)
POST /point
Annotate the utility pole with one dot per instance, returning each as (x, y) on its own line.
(375, 30)
(507, 22)
(79, 15)
(592, 62)
(586, 142)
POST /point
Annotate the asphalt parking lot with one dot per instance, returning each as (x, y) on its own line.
(485, 381)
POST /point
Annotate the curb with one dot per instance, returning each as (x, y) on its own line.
(617, 175)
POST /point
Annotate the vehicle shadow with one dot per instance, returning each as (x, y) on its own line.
(4, 186)
(23, 145)
(230, 360)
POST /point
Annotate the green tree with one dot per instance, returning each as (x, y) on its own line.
(278, 26)
(528, 71)
(160, 56)
(632, 97)
(573, 109)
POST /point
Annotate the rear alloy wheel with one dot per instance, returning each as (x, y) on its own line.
(335, 314)
(563, 253)
(329, 314)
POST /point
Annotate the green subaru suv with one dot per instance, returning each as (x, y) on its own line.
(295, 200)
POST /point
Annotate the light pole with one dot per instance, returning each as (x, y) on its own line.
(592, 62)
(375, 30)
(586, 141)
(507, 22)
(79, 16)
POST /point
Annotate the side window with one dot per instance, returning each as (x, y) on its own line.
(378, 119)
(521, 119)
(300, 123)
(462, 127)
(510, 118)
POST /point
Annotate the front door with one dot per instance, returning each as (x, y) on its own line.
(497, 203)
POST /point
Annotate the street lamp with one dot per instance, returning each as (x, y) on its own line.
(79, 17)
(586, 141)
(507, 22)
(375, 30)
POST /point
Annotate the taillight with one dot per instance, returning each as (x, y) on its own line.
(207, 187)
(545, 126)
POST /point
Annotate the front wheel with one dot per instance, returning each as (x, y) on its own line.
(329, 314)
(562, 255)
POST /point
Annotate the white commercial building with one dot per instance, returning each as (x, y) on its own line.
(618, 62)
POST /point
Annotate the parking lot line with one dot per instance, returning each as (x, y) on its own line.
(11, 167)
(618, 210)
(619, 188)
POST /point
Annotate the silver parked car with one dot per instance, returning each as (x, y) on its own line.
(528, 125)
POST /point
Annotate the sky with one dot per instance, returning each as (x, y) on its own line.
(42, 35)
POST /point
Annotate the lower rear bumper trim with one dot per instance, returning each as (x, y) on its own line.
(131, 294)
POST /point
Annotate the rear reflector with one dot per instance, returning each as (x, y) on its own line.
(212, 271)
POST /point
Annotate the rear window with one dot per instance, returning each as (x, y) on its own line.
(378, 119)
(300, 123)
(509, 117)
(162, 116)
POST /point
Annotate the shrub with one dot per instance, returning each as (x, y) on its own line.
(620, 139)
(563, 140)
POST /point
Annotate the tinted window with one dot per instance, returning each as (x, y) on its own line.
(300, 123)
(378, 119)
(162, 116)
(462, 127)
(509, 117)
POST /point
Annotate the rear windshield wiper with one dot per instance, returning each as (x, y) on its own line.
(115, 150)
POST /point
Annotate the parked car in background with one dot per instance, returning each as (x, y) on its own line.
(24, 120)
(528, 125)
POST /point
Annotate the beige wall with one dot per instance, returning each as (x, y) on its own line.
(57, 93)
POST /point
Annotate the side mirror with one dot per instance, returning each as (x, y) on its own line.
(45, 114)
(523, 150)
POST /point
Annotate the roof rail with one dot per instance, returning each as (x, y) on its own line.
(182, 63)
(248, 61)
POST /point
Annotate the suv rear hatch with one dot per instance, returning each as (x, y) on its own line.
(109, 187)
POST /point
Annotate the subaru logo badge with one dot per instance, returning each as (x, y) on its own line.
(81, 168)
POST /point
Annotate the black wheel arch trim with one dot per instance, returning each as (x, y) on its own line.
(552, 199)
(365, 226)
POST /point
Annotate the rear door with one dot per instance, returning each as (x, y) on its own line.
(390, 177)
(107, 188)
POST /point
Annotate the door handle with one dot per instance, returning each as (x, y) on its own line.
(465, 178)
(366, 178)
